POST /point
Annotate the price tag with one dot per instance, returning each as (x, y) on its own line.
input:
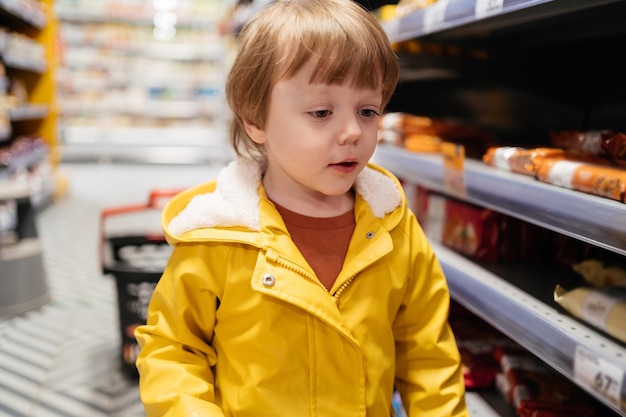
(598, 376)
(435, 16)
(454, 166)
(487, 7)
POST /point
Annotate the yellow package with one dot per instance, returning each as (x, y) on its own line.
(604, 309)
(599, 275)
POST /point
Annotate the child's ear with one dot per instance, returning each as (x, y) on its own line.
(256, 132)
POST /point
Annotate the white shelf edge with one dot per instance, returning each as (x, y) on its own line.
(29, 112)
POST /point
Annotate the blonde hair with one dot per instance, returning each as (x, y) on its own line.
(346, 40)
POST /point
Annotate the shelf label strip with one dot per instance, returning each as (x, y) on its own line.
(486, 8)
(435, 16)
(599, 376)
(454, 167)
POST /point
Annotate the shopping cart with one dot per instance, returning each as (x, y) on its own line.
(134, 252)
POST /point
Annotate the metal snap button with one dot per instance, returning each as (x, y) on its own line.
(269, 280)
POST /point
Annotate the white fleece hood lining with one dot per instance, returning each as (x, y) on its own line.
(235, 200)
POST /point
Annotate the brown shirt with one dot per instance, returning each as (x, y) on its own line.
(323, 241)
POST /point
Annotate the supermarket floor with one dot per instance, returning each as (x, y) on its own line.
(62, 360)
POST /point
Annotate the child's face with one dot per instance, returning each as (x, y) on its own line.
(317, 137)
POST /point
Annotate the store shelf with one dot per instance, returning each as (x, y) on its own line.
(473, 16)
(27, 51)
(20, 63)
(176, 145)
(34, 16)
(110, 104)
(25, 160)
(590, 218)
(143, 16)
(28, 112)
(560, 341)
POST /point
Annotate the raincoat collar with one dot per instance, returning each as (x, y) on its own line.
(235, 198)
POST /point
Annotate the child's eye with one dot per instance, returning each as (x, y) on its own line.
(369, 113)
(320, 114)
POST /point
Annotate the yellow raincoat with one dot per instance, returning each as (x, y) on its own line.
(240, 326)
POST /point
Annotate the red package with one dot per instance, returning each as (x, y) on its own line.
(476, 340)
(471, 230)
(615, 147)
(536, 390)
(479, 366)
(521, 241)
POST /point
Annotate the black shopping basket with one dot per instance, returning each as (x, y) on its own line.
(134, 252)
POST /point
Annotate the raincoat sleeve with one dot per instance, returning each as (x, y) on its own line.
(429, 372)
(176, 357)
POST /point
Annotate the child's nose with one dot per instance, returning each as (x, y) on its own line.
(351, 131)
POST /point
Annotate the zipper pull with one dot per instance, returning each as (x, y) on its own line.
(271, 255)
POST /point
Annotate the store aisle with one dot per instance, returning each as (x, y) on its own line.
(62, 360)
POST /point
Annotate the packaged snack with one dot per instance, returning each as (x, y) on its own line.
(604, 309)
(589, 178)
(527, 161)
(615, 147)
(471, 230)
(479, 366)
(521, 241)
(476, 340)
(536, 390)
(580, 142)
(520, 160)
(566, 250)
(425, 134)
(596, 273)
(604, 143)
(417, 142)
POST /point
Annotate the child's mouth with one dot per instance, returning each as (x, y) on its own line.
(347, 164)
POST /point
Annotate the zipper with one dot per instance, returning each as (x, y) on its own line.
(274, 257)
(342, 288)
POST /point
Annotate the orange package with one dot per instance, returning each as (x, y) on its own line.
(520, 160)
(422, 143)
(396, 126)
(589, 178)
(425, 134)
(527, 161)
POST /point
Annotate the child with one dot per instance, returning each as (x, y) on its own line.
(300, 284)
